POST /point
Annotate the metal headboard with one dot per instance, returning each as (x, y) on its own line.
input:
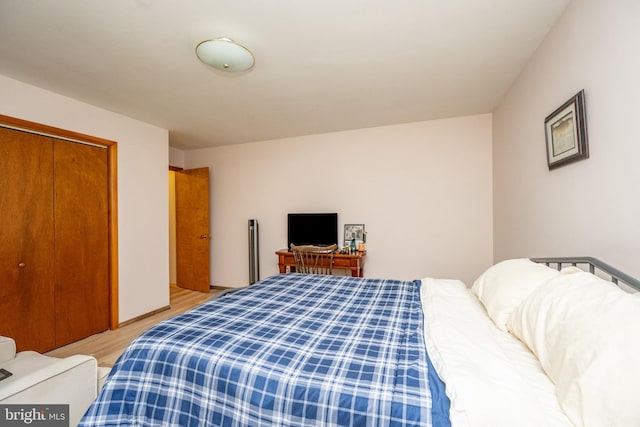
(594, 264)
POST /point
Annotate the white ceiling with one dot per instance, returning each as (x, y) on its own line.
(321, 65)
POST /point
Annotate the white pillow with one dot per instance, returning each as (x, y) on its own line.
(586, 334)
(505, 285)
(492, 379)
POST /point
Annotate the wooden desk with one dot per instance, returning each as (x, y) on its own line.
(352, 262)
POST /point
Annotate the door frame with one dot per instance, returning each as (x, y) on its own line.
(112, 190)
(172, 244)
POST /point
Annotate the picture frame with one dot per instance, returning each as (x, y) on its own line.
(566, 133)
(354, 231)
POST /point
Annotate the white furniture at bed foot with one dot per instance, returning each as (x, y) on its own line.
(103, 373)
(39, 379)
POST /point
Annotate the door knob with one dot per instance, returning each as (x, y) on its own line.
(21, 265)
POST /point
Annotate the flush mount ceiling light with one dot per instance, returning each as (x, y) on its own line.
(224, 54)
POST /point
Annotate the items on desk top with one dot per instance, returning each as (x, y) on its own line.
(354, 232)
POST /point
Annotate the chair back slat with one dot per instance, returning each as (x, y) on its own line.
(314, 259)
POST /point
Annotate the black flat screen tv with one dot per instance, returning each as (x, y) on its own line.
(320, 229)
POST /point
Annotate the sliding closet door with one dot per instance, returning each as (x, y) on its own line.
(26, 240)
(82, 241)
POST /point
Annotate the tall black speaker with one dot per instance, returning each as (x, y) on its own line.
(254, 261)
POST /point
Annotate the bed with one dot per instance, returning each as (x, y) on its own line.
(524, 346)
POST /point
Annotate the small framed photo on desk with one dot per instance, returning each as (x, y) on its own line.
(353, 231)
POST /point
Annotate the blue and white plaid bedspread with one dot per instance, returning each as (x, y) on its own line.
(292, 350)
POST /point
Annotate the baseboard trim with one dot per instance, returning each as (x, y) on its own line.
(144, 316)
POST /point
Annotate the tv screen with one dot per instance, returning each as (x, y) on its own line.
(320, 229)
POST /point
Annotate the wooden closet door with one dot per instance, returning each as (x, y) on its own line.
(81, 241)
(26, 240)
(192, 229)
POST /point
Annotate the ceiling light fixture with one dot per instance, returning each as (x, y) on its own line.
(224, 54)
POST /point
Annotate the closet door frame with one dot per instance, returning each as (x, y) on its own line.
(111, 147)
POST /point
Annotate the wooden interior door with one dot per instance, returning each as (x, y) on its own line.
(26, 240)
(81, 241)
(192, 229)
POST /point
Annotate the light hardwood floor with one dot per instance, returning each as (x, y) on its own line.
(107, 346)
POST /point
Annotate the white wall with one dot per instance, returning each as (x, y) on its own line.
(590, 207)
(176, 157)
(142, 187)
(423, 191)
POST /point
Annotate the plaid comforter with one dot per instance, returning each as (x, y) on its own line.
(291, 350)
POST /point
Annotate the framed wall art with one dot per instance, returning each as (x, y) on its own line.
(566, 133)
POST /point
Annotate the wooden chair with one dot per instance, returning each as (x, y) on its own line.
(314, 259)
